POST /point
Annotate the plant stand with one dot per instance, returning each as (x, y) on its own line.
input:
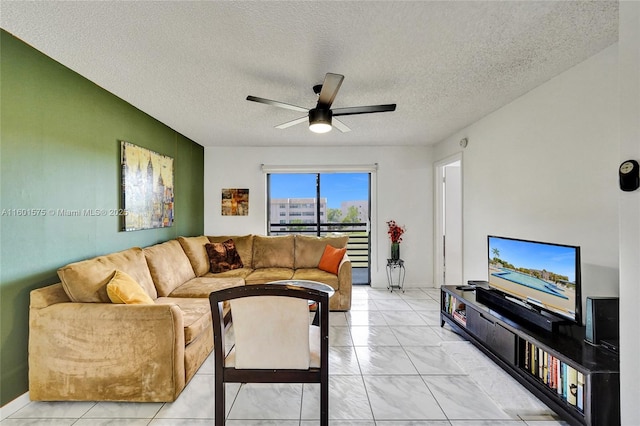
(395, 274)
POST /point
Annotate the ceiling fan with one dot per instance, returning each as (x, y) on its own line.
(321, 117)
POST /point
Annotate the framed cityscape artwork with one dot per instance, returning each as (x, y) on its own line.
(235, 202)
(147, 188)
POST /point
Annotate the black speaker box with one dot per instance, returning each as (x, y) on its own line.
(602, 319)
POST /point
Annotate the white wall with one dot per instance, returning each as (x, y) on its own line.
(629, 204)
(402, 190)
(544, 167)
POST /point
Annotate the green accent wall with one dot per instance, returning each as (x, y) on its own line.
(60, 149)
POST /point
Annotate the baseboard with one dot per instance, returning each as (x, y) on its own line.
(13, 406)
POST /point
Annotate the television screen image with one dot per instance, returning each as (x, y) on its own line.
(543, 275)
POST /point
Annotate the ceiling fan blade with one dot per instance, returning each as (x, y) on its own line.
(276, 103)
(340, 125)
(363, 109)
(330, 87)
(293, 122)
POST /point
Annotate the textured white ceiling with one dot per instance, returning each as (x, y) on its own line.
(192, 64)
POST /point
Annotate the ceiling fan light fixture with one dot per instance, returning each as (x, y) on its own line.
(320, 120)
(320, 116)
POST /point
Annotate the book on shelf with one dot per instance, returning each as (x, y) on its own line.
(565, 385)
(540, 363)
(568, 382)
(572, 384)
(551, 376)
(580, 396)
(460, 315)
(559, 381)
(534, 357)
(456, 309)
(452, 305)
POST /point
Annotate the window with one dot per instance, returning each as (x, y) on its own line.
(328, 202)
(334, 201)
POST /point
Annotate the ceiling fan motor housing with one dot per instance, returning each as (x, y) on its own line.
(320, 120)
(320, 115)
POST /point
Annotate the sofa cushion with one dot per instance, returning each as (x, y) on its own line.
(244, 246)
(196, 314)
(331, 258)
(86, 281)
(223, 256)
(273, 251)
(315, 274)
(124, 289)
(169, 266)
(265, 275)
(309, 249)
(203, 286)
(234, 273)
(194, 249)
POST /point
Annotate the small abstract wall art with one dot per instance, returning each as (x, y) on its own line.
(235, 202)
(147, 188)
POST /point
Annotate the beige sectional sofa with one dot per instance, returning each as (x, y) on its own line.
(84, 347)
(287, 257)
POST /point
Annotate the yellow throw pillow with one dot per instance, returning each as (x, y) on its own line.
(124, 289)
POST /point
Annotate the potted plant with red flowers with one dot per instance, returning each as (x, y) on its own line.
(395, 233)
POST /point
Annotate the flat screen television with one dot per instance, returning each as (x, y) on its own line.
(544, 276)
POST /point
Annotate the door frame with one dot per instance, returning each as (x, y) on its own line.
(370, 169)
(439, 211)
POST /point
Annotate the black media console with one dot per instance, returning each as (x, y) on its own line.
(578, 381)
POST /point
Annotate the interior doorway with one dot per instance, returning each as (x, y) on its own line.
(448, 216)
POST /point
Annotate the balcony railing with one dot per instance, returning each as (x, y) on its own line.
(357, 246)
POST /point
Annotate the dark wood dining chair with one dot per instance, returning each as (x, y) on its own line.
(274, 341)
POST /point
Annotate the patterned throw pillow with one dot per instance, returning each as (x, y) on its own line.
(223, 256)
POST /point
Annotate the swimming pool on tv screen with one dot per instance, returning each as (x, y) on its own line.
(531, 281)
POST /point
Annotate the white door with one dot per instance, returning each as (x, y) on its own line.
(452, 224)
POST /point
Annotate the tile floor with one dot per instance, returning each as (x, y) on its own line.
(391, 364)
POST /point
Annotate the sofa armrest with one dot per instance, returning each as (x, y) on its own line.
(49, 295)
(345, 262)
(343, 300)
(106, 352)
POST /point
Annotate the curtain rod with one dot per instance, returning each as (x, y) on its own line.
(337, 168)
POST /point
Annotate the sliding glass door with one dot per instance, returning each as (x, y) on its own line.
(321, 204)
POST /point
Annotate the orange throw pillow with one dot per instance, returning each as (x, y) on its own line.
(331, 259)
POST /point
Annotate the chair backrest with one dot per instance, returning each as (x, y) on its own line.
(271, 325)
(271, 332)
(274, 340)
